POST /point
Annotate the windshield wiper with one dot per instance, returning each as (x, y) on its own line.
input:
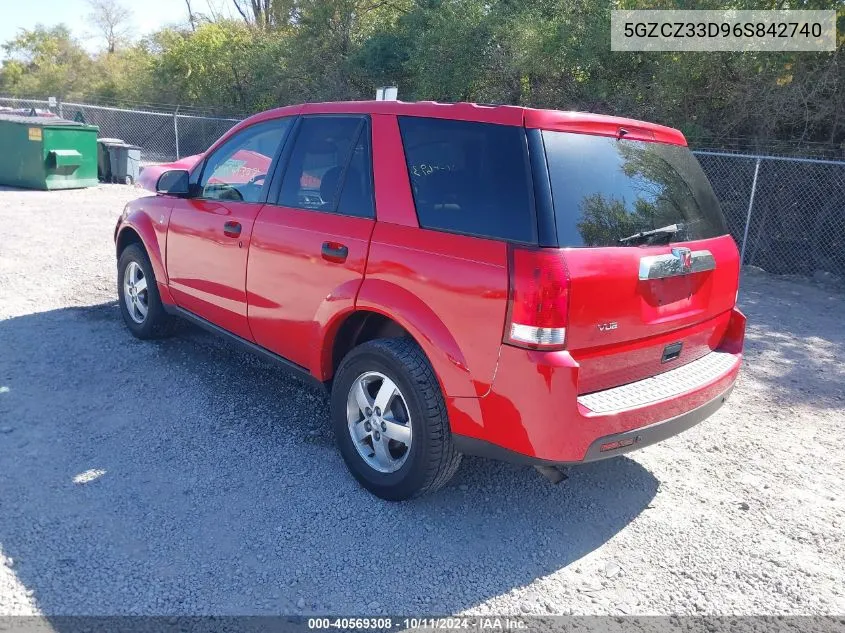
(670, 229)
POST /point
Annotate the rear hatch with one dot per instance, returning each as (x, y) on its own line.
(652, 270)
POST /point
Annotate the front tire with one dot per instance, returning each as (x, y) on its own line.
(140, 303)
(390, 420)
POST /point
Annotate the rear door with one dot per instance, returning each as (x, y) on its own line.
(639, 303)
(309, 245)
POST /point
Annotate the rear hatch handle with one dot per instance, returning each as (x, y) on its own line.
(681, 261)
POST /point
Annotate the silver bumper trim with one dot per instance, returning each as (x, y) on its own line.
(662, 386)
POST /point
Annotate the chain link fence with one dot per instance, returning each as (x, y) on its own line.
(786, 214)
(163, 136)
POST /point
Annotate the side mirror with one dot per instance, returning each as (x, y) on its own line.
(173, 182)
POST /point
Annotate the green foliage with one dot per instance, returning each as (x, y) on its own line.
(544, 53)
(220, 65)
(604, 221)
(46, 62)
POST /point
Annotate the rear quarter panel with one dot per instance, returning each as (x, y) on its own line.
(452, 290)
(449, 291)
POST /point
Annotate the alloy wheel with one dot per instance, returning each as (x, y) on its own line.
(379, 422)
(135, 293)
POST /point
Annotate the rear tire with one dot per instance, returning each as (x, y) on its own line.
(423, 459)
(140, 302)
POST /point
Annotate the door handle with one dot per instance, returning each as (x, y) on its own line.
(232, 229)
(335, 252)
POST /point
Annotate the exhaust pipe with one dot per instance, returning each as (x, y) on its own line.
(554, 474)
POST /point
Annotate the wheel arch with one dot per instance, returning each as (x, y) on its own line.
(125, 237)
(137, 228)
(360, 326)
(384, 309)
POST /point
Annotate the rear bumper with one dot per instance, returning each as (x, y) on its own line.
(603, 447)
(620, 443)
(534, 414)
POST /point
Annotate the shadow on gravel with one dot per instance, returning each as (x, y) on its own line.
(185, 477)
(797, 328)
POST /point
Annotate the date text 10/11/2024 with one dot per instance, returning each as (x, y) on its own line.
(420, 624)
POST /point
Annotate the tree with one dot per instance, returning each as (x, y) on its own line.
(192, 17)
(45, 62)
(543, 53)
(326, 42)
(258, 12)
(113, 19)
(226, 65)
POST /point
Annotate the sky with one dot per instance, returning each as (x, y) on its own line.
(147, 16)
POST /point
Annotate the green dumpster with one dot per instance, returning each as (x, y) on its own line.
(47, 153)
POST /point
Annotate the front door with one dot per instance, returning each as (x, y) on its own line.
(209, 233)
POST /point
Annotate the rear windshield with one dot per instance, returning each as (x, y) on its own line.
(606, 190)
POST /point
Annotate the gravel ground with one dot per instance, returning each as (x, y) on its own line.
(186, 477)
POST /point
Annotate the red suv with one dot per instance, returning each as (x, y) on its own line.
(530, 285)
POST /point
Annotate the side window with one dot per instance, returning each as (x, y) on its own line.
(469, 177)
(316, 164)
(238, 170)
(356, 197)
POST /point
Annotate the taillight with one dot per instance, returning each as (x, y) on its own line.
(538, 303)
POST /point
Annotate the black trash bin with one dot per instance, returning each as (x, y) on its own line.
(125, 163)
(103, 160)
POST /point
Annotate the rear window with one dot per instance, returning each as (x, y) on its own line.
(605, 190)
(469, 178)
